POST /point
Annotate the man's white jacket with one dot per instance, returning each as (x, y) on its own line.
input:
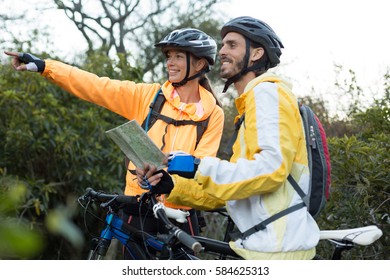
(253, 185)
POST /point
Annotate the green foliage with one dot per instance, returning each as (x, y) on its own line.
(55, 144)
(102, 65)
(18, 240)
(360, 180)
(375, 120)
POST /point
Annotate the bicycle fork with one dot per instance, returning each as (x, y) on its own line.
(99, 248)
(116, 228)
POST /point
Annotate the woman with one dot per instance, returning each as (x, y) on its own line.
(188, 96)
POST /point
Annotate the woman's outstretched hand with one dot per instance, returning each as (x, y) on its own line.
(26, 61)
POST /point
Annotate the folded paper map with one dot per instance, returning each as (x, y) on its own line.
(136, 145)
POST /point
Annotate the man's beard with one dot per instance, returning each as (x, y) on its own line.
(237, 68)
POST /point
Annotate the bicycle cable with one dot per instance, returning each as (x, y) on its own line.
(142, 222)
(87, 211)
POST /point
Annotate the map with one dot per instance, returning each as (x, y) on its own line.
(136, 145)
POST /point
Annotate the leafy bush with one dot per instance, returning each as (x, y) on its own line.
(55, 144)
(18, 239)
(360, 180)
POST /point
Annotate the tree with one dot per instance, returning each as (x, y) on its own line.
(126, 27)
(360, 193)
(131, 27)
(109, 21)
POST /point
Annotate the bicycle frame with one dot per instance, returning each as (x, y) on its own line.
(164, 246)
(116, 228)
(141, 245)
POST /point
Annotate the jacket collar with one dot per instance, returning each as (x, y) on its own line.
(266, 77)
(207, 101)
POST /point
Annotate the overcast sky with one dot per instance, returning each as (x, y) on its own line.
(318, 34)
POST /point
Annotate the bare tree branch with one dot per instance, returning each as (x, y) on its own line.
(127, 27)
(111, 21)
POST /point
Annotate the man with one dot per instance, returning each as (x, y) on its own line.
(270, 145)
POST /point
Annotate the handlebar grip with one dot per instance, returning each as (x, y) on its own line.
(188, 240)
(107, 197)
(127, 199)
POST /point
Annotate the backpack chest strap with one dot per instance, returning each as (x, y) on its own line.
(174, 122)
(262, 225)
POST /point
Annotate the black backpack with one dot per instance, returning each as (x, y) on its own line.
(319, 166)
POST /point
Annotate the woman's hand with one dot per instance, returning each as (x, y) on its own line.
(158, 182)
(26, 61)
(145, 176)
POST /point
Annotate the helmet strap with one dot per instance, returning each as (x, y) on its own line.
(238, 76)
(245, 69)
(186, 79)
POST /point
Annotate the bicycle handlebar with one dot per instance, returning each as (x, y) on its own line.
(184, 237)
(109, 198)
(159, 212)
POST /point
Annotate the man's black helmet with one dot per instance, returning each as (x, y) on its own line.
(191, 40)
(258, 32)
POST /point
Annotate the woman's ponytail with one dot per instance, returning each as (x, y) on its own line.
(204, 82)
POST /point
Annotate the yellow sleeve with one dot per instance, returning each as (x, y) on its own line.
(265, 149)
(189, 193)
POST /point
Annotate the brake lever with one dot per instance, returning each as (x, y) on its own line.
(108, 203)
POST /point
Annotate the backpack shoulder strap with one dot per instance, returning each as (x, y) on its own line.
(155, 106)
(154, 114)
(228, 151)
(200, 129)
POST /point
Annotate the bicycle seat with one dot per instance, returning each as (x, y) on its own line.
(362, 236)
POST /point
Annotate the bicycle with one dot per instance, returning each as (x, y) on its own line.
(177, 244)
